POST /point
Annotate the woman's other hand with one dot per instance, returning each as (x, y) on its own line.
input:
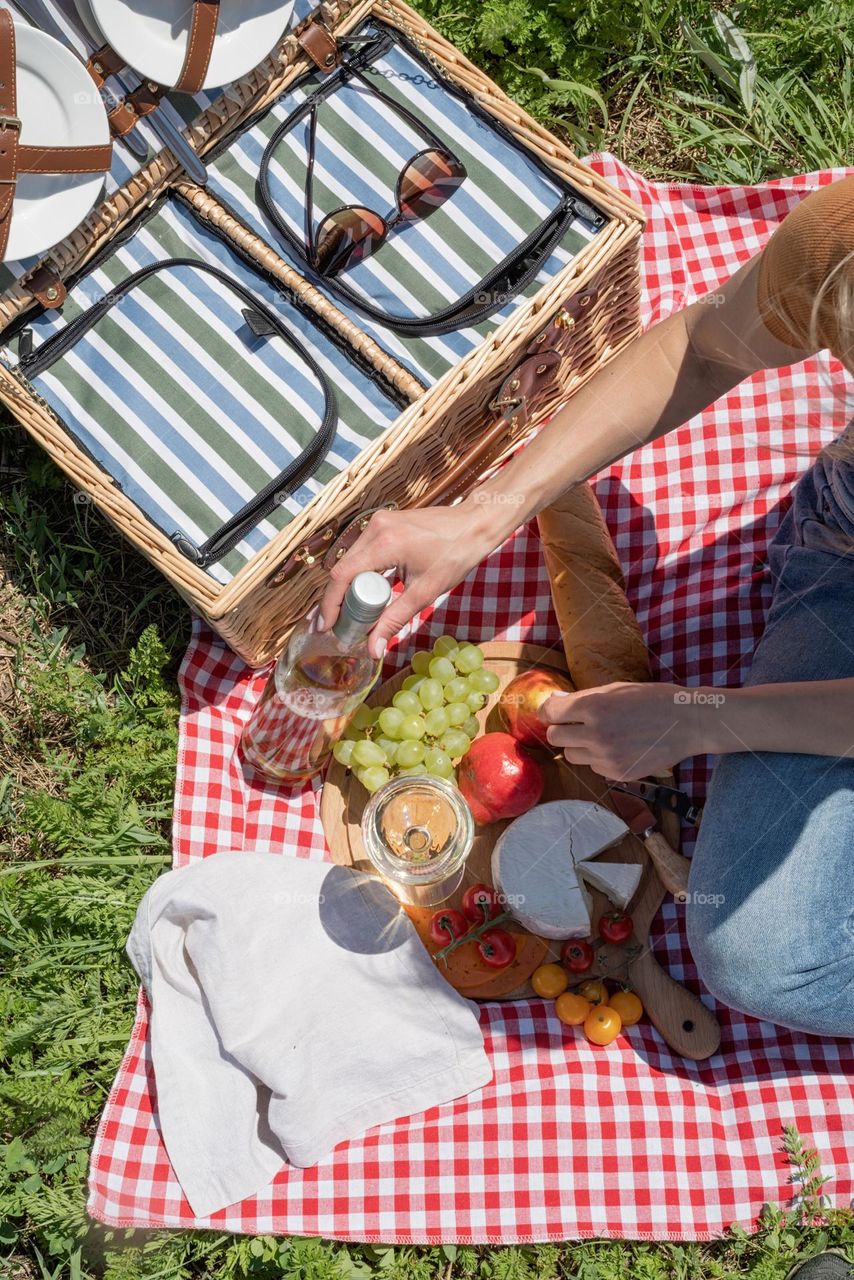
(627, 731)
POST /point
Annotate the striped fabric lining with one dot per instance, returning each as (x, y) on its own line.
(181, 406)
(61, 19)
(361, 145)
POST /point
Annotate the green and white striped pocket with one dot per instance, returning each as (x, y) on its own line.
(423, 266)
(210, 399)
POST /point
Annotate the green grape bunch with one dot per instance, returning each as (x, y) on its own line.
(430, 723)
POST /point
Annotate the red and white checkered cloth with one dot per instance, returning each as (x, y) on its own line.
(568, 1140)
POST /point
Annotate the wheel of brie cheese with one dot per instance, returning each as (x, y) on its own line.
(541, 865)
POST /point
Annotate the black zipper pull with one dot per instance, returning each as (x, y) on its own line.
(187, 548)
(261, 325)
(25, 344)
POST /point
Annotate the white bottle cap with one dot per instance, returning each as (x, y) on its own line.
(367, 596)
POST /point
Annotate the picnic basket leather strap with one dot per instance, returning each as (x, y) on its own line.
(318, 42)
(203, 24)
(125, 115)
(141, 102)
(15, 158)
(103, 63)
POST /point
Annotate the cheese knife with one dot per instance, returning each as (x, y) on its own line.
(671, 866)
(173, 138)
(670, 799)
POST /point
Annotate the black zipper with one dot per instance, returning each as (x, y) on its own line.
(263, 322)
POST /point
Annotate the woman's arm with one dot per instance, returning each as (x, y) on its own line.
(626, 731)
(654, 385)
(666, 376)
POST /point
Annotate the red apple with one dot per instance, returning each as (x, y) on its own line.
(498, 779)
(520, 703)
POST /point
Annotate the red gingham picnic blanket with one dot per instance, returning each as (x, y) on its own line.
(568, 1140)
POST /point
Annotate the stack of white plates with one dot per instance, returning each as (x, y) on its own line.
(59, 106)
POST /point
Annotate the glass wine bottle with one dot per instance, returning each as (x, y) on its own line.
(315, 687)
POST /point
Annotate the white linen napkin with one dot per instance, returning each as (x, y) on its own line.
(293, 1007)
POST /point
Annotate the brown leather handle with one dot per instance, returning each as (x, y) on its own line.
(324, 542)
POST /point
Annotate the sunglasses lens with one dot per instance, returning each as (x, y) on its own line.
(345, 237)
(427, 182)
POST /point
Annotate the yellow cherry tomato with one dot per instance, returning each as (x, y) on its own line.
(550, 980)
(594, 991)
(572, 1008)
(602, 1024)
(628, 1006)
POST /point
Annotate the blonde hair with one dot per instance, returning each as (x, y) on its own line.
(837, 296)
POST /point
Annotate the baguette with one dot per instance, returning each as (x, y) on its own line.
(601, 637)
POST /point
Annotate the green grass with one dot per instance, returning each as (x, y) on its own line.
(90, 639)
(723, 93)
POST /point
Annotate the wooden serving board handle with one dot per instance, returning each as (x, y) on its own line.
(681, 1017)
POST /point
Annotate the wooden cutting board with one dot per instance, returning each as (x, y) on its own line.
(683, 1021)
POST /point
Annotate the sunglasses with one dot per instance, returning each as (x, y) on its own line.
(352, 232)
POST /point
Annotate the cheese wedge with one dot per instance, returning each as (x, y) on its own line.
(617, 880)
(536, 859)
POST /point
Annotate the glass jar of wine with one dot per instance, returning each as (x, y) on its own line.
(315, 687)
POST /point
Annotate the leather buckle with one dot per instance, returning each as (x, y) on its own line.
(10, 122)
(319, 44)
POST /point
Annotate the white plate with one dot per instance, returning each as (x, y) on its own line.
(60, 107)
(152, 35)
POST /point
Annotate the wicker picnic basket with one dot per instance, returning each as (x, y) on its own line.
(450, 433)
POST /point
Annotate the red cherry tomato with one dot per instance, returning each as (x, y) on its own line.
(480, 902)
(616, 926)
(577, 955)
(448, 924)
(497, 948)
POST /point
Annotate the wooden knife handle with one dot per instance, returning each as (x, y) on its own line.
(671, 866)
(683, 1020)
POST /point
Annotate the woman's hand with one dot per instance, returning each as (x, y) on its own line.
(625, 731)
(432, 548)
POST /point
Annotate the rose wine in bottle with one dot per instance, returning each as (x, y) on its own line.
(315, 687)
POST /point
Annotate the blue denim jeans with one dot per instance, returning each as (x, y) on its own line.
(771, 890)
